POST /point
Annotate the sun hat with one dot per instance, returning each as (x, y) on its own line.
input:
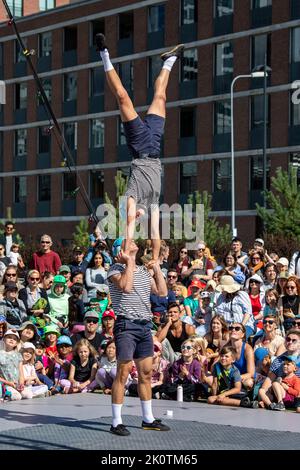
(257, 278)
(28, 345)
(12, 332)
(227, 284)
(283, 261)
(259, 240)
(211, 283)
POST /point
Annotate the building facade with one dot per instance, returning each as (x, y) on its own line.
(224, 38)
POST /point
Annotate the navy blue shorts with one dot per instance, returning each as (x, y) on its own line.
(143, 137)
(133, 341)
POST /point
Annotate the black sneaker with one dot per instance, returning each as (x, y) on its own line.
(245, 402)
(176, 51)
(119, 430)
(156, 425)
(100, 42)
(279, 407)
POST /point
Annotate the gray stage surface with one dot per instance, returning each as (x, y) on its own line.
(83, 421)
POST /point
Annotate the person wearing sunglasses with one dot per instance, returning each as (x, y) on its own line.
(45, 259)
(201, 267)
(244, 360)
(91, 325)
(185, 371)
(292, 346)
(32, 293)
(256, 263)
(10, 275)
(232, 268)
(183, 262)
(270, 339)
(289, 303)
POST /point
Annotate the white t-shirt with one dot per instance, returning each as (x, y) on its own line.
(8, 244)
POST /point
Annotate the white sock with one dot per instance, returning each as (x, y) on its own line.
(147, 411)
(106, 60)
(168, 64)
(116, 414)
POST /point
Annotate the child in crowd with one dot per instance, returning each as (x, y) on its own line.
(76, 309)
(51, 335)
(203, 315)
(9, 364)
(42, 363)
(263, 364)
(227, 381)
(107, 367)
(62, 365)
(180, 292)
(271, 307)
(59, 303)
(38, 317)
(33, 387)
(287, 388)
(83, 368)
(15, 256)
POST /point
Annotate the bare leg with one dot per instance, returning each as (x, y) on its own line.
(118, 386)
(130, 226)
(279, 391)
(158, 105)
(144, 367)
(125, 104)
(155, 235)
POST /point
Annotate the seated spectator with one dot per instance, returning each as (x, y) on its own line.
(282, 265)
(62, 365)
(33, 387)
(78, 264)
(232, 268)
(42, 364)
(65, 271)
(107, 371)
(227, 381)
(32, 293)
(59, 302)
(257, 298)
(51, 336)
(95, 275)
(271, 303)
(217, 337)
(10, 359)
(262, 368)
(78, 278)
(290, 301)
(287, 388)
(244, 359)
(201, 320)
(270, 339)
(256, 263)
(28, 333)
(91, 323)
(83, 368)
(76, 309)
(270, 276)
(192, 303)
(281, 283)
(183, 262)
(234, 305)
(46, 281)
(236, 248)
(180, 292)
(10, 275)
(5, 260)
(3, 329)
(107, 333)
(201, 268)
(12, 308)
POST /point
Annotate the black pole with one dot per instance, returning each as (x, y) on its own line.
(265, 133)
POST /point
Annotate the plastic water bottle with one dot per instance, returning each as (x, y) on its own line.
(179, 393)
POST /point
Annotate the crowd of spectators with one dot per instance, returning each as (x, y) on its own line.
(228, 331)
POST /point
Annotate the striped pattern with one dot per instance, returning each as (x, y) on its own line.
(136, 304)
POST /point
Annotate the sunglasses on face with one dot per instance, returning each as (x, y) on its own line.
(183, 251)
(270, 322)
(44, 242)
(296, 324)
(11, 275)
(235, 328)
(254, 282)
(91, 320)
(34, 278)
(188, 348)
(290, 287)
(256, 259)
(201, 249)
(291, 340)
(172, 277)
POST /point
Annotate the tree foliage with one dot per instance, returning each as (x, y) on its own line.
(282, 216)
(81, 234)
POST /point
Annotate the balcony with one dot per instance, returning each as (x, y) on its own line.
(20, 163)
(70, 58)
(43, 209)
(221, 201)
(187, 145)
(255, 197)
(125, 46)
(188, 32)
(294, 135)
(257, 138)
(261, 17)
(295, 9)
(188, 89)
(44, 64)
(222, 143)
(19, 210)
(223, 25)
(70, 108)
(96, 155)
(156, 40)
(222, 83)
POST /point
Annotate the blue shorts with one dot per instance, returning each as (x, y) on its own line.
(143, 137)
(133, 341)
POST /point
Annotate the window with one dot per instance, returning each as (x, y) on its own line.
(156, 18)
(222, 175)
(260, 45)
(96, 184)
(44, 188)
(257, 111)
(19, 56)
(187, 122)
(69, 186)
(47, 85)
(46, 4)
(20, 189)
(295, 163)
(44, 140)
(97, 133)
(189, 65)
(70, 134)
(188, 177)
(97, 81)
(257, 173)
(125, 25)
(126, 74)
(188, 11)
(21, 95)
(16, 7)
(121, 133)
(222, 118)
(296, 45)
(70, 86)
(224, 59)
(223, 8)
(295, 114)
(20, 142)
(97, 26)
(154, 69)
(261, 3)
(70, 36)
(45, 44)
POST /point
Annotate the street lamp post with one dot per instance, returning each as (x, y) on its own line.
(250, 75)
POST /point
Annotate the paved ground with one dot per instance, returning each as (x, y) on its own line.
(83, 421)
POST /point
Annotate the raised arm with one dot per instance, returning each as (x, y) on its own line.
(124, 280)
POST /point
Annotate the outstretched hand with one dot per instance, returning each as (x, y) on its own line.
(122, 257)
(153, 264)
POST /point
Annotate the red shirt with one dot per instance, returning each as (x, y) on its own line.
(256, 308)
(46, 262)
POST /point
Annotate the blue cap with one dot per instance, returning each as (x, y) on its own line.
(2, 319)
(260, 354)
(218, 268)
(64, 339)
(116, 248)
